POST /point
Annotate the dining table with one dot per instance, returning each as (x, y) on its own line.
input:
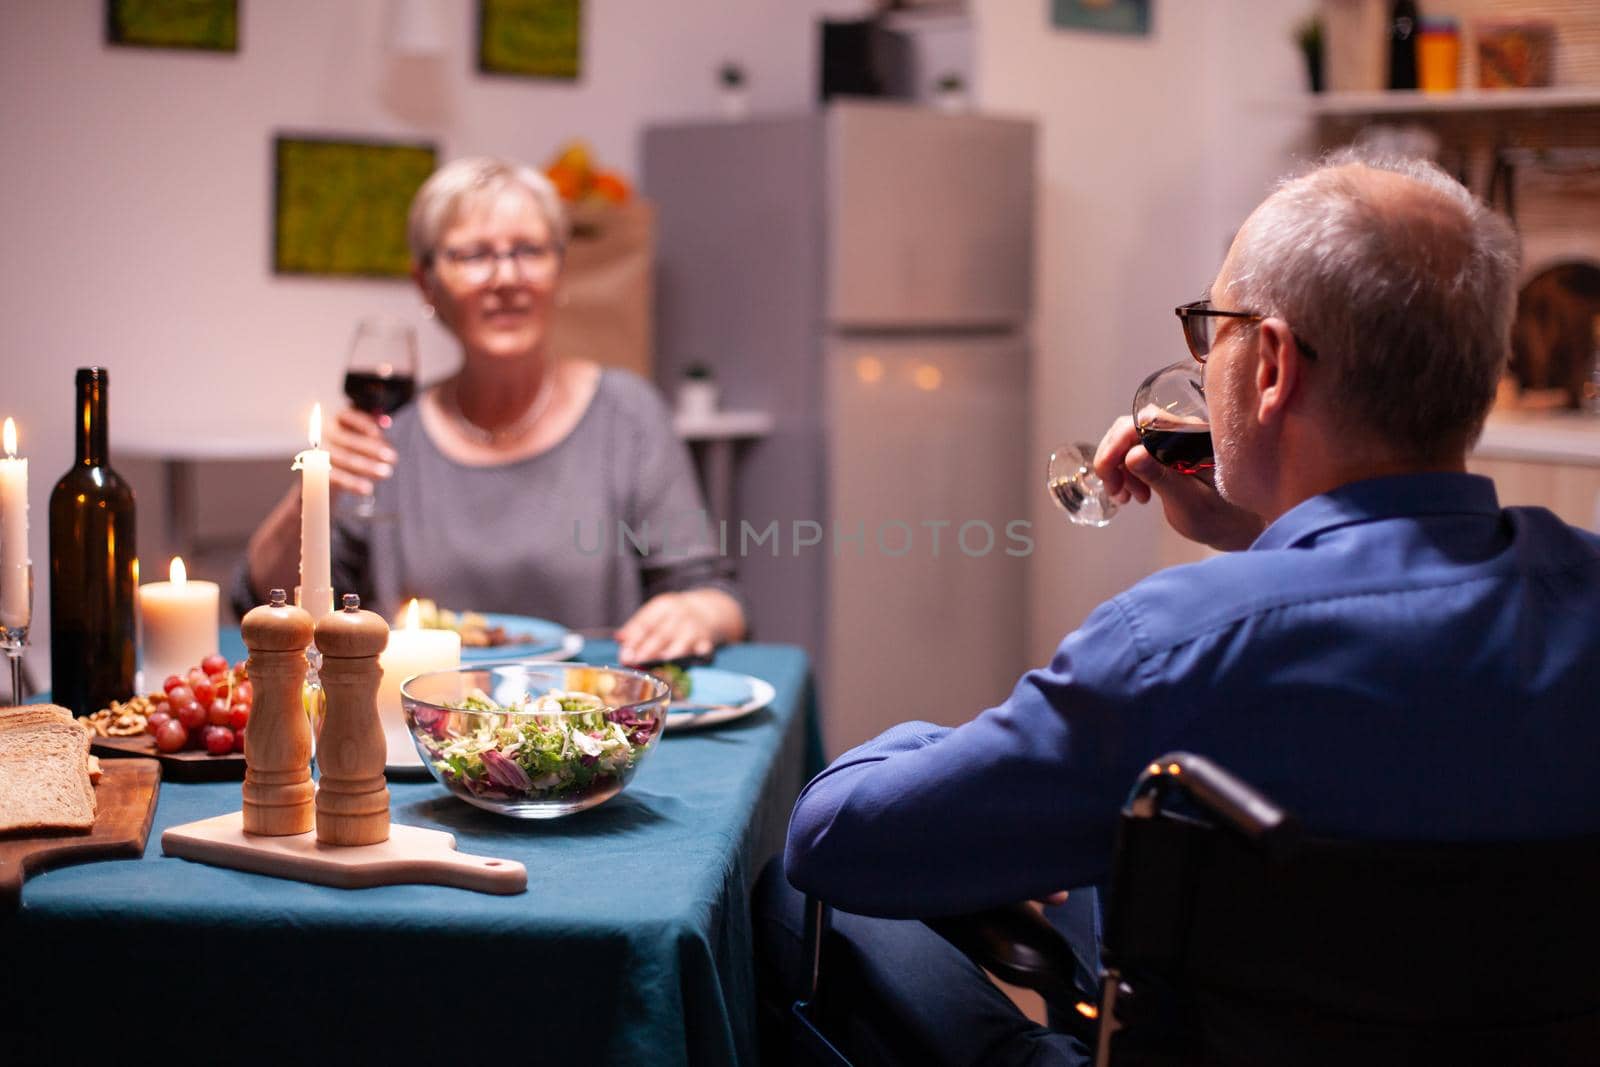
(631, 944)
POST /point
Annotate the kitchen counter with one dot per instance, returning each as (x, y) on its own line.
(1545, 458)
(1570, 437)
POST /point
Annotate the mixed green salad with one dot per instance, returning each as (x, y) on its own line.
(676, 677)
(556, 745)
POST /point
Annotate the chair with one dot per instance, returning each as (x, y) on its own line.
(1231, 938)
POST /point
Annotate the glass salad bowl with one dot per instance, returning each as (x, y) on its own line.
(534, 740)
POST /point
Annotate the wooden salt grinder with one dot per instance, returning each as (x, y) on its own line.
(352, 794)
(278, 794)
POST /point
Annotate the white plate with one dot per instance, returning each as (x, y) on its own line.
(544, 640)
(741, 694)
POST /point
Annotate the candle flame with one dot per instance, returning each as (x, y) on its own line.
(11, 438)
(177, 571)
(413, 621)
(316, 426)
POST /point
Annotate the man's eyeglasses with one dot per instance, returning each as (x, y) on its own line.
(1201, 322)
(1200, 325)
(476, 266)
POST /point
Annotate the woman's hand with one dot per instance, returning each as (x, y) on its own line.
(361, 457)
(668, 626)
(674, 625)
(1192, 505)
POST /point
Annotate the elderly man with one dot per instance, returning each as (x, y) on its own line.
(1380, 631)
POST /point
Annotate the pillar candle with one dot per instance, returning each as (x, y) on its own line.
(14, 605)
(316, 574)
(180, 625)
(411, 650)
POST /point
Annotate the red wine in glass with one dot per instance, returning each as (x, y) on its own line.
(1187, 451)
(1170, 416)
(377, 393)
(380, 374)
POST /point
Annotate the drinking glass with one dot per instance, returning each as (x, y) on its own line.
(1169, 414)
(380, 374)
(16, 612)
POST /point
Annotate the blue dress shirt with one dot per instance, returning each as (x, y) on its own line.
(1400, 658)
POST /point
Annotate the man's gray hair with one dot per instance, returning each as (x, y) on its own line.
(1407, 302)
(476, 181)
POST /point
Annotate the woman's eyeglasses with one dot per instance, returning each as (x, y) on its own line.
(476, 266)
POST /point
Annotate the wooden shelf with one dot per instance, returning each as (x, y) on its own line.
(723, 425)
(1465, 101)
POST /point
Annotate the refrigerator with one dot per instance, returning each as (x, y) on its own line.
(864, 274)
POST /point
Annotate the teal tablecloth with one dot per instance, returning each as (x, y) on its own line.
(632, 944)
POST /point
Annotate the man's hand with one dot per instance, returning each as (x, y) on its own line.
(1192, 505)
(360, 455)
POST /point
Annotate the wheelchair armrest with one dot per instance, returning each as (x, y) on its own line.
(1230, 800)
(1018, 945)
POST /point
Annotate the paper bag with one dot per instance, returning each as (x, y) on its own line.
(605, 309)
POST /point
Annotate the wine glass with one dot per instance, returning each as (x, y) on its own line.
(380, 374)
(1169, 414)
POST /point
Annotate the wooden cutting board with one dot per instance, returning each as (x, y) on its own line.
(125, 802)
(196, 765)
(412, 854)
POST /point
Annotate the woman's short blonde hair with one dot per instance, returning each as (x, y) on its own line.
(462, 184)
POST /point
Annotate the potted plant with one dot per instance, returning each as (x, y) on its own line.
(735, 100)
(950, 92)
(697, 392)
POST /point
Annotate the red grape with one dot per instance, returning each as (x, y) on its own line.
(219, 715)
(192, 715)
(214, 664)
(243, 694)
(180, 695)
(238, 739)
(219, 740)
(238, 716)
(152, 725)
(172, 682)
(172, 736)
(204, 691)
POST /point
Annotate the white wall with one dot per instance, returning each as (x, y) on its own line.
(1153, 149)
(137, 190)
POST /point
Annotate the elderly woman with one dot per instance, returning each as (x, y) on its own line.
(524, 482)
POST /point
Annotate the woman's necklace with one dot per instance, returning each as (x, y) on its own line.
(517, 429)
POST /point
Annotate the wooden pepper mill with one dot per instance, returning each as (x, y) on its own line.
(352, 794)
(278, 794)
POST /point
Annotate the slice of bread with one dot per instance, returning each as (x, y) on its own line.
(32, 714)
(44, 772)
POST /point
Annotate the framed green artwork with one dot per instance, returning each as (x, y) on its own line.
(1102, 16)
(339, 206)
(531, 38)
(206, 25)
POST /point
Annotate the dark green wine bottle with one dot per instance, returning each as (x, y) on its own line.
(93, 560)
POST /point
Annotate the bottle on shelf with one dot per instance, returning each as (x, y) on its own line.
(1403, 45)
(1438, 54)
(93, 560)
